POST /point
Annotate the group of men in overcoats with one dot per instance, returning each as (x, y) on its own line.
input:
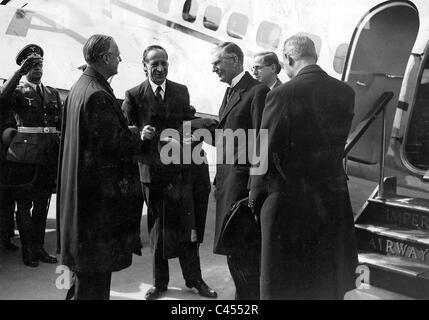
(303, 216)
(111, 162)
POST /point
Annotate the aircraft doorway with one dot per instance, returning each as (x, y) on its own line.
(417, 138)
(379, 52)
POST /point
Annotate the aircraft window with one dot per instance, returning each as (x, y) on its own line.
(417, 144)
(237, 25)
(190, 9)
(268, 35)
(164, 5)
(212, 18)
(340, 57)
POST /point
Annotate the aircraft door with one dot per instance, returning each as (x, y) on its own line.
(378, 54)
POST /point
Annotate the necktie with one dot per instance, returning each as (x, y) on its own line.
(39, 92)
(158, 95)
(229, 93)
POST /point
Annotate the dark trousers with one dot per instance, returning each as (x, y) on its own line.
(31, 216)
(189, 262)
(244, 269)
(7, 211)
(90, 286)
(189, 258)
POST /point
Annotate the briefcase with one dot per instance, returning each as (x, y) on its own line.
(241, 228)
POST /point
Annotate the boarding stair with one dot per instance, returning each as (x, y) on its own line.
(392, 230)
(393, 241)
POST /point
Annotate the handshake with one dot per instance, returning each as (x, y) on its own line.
(149, 132)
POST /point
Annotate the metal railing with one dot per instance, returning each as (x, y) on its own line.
(362, 127)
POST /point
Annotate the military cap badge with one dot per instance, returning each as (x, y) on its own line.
(27, 51)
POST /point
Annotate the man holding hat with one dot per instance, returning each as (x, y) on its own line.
(33, 152)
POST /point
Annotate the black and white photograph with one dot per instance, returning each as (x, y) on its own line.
(214, 154)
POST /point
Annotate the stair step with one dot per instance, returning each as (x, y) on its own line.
(409, 203)
(404, 212)
(420, 237)
(394, 241)
(395, 264)
(397, 275)
(373, 293)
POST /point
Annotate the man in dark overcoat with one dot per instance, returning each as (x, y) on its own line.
(100, 201)
(308, 238)
(31, 158)
(156, 105)
(241, 109)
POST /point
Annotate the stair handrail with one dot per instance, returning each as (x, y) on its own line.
(363, 126)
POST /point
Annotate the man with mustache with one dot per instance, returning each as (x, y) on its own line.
(241, 109)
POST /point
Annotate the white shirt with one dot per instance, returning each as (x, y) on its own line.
(237, 79)
(272, 86)
(154, 86)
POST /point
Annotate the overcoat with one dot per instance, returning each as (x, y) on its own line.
(243, 111)
(308, 239)
(100, 200)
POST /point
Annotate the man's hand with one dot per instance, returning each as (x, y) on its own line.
(29, 63)
(188, 138)
(148, 133)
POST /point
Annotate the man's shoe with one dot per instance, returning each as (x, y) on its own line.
(9, 246)
(28, 257)
(45, 257)
(155, 293)
(203, 289)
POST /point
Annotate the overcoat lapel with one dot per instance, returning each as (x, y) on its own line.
(235, 98)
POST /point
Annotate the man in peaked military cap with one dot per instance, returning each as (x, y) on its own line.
(32, 155)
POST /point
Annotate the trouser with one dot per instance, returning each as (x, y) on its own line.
(244, 269)
(7, 210)
(189, 258)
(90, 286)
(32, 222)
(189, 262)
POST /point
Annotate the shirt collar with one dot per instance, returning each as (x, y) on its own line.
(33, 85)
(154, 86)
(274, 84)
(237, 79)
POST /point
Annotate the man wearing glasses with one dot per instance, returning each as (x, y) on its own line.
(266, 67)
(153, 106)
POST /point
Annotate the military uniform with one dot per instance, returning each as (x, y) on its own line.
(7, 205)
(31, 158)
